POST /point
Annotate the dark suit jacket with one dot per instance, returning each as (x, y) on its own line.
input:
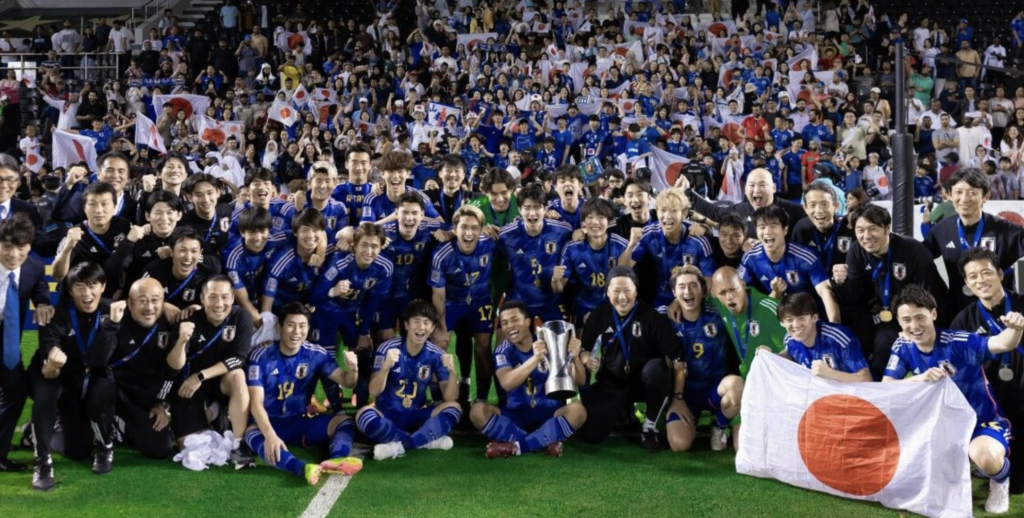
(32, 286)
(42, 243)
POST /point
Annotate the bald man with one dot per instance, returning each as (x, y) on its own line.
(760, 191)
(750, 319)
(136, 339)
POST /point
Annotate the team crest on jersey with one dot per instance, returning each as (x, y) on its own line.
(225, 224)
(899, 270)
(162, 339)
(844, 244)
(636, 329)
(829, 360)
(988, 243)
(369, 283)
(332, 222)
(424, 372)
(189, 295)
(755, 328)
(302, 370)
(314, 335)
(254, 372)
(117, 239)
(419, 247)
(948, 367)
(277, 223)
(688, 259)
(229, 333)
(483, 260)
(550, 247)
(710, 330)
(792, 277)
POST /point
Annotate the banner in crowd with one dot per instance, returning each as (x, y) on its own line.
(903, 445)
(437, 113)
(191, 104)
(282, 112)
(806, 59)
(147, 135)
(34, 161)
(217, 132)
(300, 97)
(325, 95)
(470, 41)
(70, 149)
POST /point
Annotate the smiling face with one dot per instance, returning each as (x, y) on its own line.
(293, 330)
(9, 182)
(533, 215)
(261, 192)
(622, 294)
(772, 235)
(802, 328)
(307, 238)
(873, 238)
(87, 295)
(760, 188)
(968, 200)
(637, 200)
(418, 329)
(146, 301)
(163, 218)
(173, 173)
(500, 196)
(321, 186)
(13, 256)
(689, 292)
(671, 219)
(394, 180)
(185, 256)
(516, 325)
(217, 299)
(115, 172)
(452, 177)
(596, 225)
(468, 230)
(820, 208)
(367, 250)
(409, 217)
(982, 277)
(918, 324)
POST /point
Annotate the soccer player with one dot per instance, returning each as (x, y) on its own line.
(212, 363)
(323, 177)
(950, 238)
(584, 265)
(347, 296)
(709, 386)
(96, 238)
(878, 267)
(732, 238)
(244, 262)
(533, 247)
(291, 275)
(520, 364)
(459, 276)
(282, 379)
(451, 195)
(930, 354)
(145, 244)
(669, 243)
(400, 419)
(380, 208)
(780, 267)
(410, 243)
(263, 194)
(566, 207)
(354, 192)
(59, 371)
(182, 274)
(500, 208)
(21, 280)
(631, 346)
(831, 351)
(210, 218)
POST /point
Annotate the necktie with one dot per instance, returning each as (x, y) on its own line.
(3, 212)
(12, 326)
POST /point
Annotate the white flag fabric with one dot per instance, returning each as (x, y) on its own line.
(218, 132)
(437, 113)
(282, 112)
(70, 149)
(902, 445)
(147, 135)
(325, 95)
(809, 54)
(300, 97)
(665, 168)
(192, 104)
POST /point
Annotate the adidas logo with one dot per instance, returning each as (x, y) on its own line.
(609, 330)
(72, 333)
(518, 252)
(764, 279)
(131, 342)
(274, 373)
(950, 245)
(582, 266)
(202, 338)
(93, 250)
(981, 331)
(147, 254)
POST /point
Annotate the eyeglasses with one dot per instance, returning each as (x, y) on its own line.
(9, 180)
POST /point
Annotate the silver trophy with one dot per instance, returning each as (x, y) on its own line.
(556, 335)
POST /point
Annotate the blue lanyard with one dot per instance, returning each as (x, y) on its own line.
(746, 334)
(828, 249)
(444, 205)
(887, 266)
(183, 283)
(97, 239)
(131, 355)
(964, 245)
(205, 347)
(209, 232)
(84, 347)
(620, 327)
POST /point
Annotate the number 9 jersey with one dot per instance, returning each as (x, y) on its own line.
(706, 343)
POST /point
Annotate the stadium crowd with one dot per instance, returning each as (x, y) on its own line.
(424, 177)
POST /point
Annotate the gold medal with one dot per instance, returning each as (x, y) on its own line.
(536, 282)
(407, 402)
(533, 403)
(885, 315)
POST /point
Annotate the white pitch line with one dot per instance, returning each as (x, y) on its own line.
(324, 500)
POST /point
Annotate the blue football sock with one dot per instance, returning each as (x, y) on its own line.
(720, 420)
(436, 427)
(501, 429)
(552, 431)
(1004, 472)
(379, 428)
(341, 442)
(255, 440)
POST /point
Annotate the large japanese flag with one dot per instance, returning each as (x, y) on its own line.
(283, 112)
(147, 135)
(218, 132)
(903, 445)
(192, 104)
(70, 149)
(665, 168)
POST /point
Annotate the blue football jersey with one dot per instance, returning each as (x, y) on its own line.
(281, 212)
(962, 355)
(288, 382)
(371, 283)
(799, 267)
(531, 393)
(246, 269)
(574, 219)
(834, 344)
(353, 196)
(587, 269)
(706, 342)
(289, 279)
(532, 260)
(335, 218)
(466, 278)
(691, 250)
(409, 378)
(378, 206)
(407, 256)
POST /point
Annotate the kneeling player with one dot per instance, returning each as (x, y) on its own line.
(289, 371)
(709, 386)
(831, 351)
(402, 371)
(932, 354)
(522, 370)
